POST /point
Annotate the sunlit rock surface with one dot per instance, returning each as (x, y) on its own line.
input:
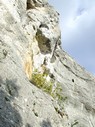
(30, 41)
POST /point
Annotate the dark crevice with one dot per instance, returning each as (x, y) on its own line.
(43, 25)
(29, 5)
(43, 42)
(72, 80)
(53, 58)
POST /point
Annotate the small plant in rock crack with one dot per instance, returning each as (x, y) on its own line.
(51, 87)
(57, 92)
(40, 80)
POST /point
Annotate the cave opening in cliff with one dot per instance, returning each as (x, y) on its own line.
(43, 42)
(29, 5)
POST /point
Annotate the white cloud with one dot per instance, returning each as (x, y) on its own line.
(77, 23)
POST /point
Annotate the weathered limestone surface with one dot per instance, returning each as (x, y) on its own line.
(29, 38)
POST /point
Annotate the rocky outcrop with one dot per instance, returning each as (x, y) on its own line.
(40, 85)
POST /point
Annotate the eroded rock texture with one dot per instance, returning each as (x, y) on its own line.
(29, 44)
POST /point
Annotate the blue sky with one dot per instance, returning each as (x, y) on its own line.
(77, 23)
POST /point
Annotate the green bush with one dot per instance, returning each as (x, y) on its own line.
(57, 93)
(39, 80)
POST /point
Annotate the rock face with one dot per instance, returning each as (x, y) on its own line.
(40, 85)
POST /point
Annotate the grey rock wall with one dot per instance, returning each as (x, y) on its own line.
(30, 40)
(78, 88)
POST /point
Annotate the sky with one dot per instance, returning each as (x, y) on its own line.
(77, 23)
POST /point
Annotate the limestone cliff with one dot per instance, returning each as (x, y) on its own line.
(40, 85)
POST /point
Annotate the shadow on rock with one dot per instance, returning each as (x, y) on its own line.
(9, 116)
(46, 123)
(28, 125)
